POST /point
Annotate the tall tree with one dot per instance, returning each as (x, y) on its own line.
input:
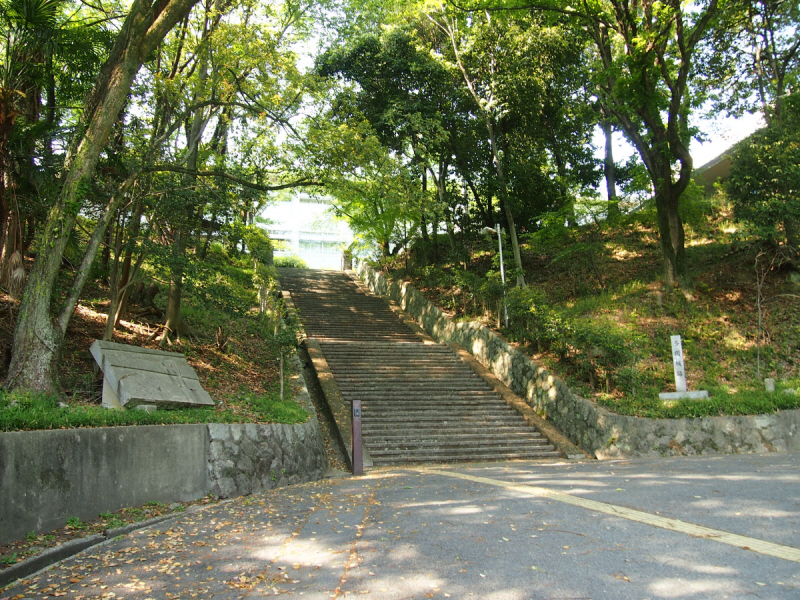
(752, 59)
(524, 75)
(645, 59)
(38, 338)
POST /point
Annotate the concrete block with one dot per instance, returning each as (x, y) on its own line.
(694, 395)
(219, 431)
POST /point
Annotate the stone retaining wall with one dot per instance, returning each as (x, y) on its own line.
(47, 477)
(249, 458)
(598, 431)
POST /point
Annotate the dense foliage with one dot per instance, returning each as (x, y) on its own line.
(139, 143)
(765, 178)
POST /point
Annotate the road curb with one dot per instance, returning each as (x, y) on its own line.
(50, 556)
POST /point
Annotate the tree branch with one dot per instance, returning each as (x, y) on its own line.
(244, 182)
(539, 7)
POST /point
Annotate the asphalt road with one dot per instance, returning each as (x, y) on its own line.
(521, 530)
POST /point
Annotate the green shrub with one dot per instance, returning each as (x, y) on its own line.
(216, 254)
(765, 177)
(600, 350)
(294, 262)
(534, 321)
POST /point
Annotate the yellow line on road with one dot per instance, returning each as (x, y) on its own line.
(724, 537)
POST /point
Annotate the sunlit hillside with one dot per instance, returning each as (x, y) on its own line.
(597, 313)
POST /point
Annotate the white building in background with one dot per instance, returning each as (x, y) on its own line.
(306, 228)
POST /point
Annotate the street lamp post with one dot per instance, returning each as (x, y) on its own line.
(490, 231)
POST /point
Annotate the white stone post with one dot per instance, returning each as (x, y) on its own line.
(680, 375)
(677, 363)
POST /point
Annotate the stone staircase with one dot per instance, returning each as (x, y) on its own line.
(420, 401)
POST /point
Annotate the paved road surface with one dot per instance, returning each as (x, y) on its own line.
(519, 530)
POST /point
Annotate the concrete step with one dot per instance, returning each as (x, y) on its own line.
(422, 408)
(456, 441)
(408, 456)
(525, 436)
(444, 416)
(447, 421)
(362, 348)
(420, 401)
(378, 450)
(465, 400)
(431, 388)
(421, 377)
(374, 407)
(412, 428)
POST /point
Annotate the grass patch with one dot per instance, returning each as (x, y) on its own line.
(274, 409)
(720, 402)
(28, 411)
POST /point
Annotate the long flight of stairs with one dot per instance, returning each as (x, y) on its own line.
(420, 401)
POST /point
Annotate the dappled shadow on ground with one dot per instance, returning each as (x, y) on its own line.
(404, 534)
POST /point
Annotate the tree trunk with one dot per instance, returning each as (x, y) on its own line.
(5, 213)
(133, 235)
(561, 170)
(126, 291)
(609, 169)
(173, 322)
(512, 230)
(451, 234)
(113, 282)
(487, 118)
(105, 256)
(37, 340)
(485, 210)
(423, 221)
(441, 192)
(658, 156)
(671, 234)
(435, 237)
(792, 229)
(12, 241)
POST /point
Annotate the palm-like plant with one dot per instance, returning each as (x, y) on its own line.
(27, 32)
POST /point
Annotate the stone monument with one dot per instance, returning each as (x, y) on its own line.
(680, 375)
(141, 377)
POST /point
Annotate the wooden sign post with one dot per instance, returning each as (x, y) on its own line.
(358, 459)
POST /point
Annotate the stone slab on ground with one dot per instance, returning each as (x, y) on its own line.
(693, 395)
(142, 376)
